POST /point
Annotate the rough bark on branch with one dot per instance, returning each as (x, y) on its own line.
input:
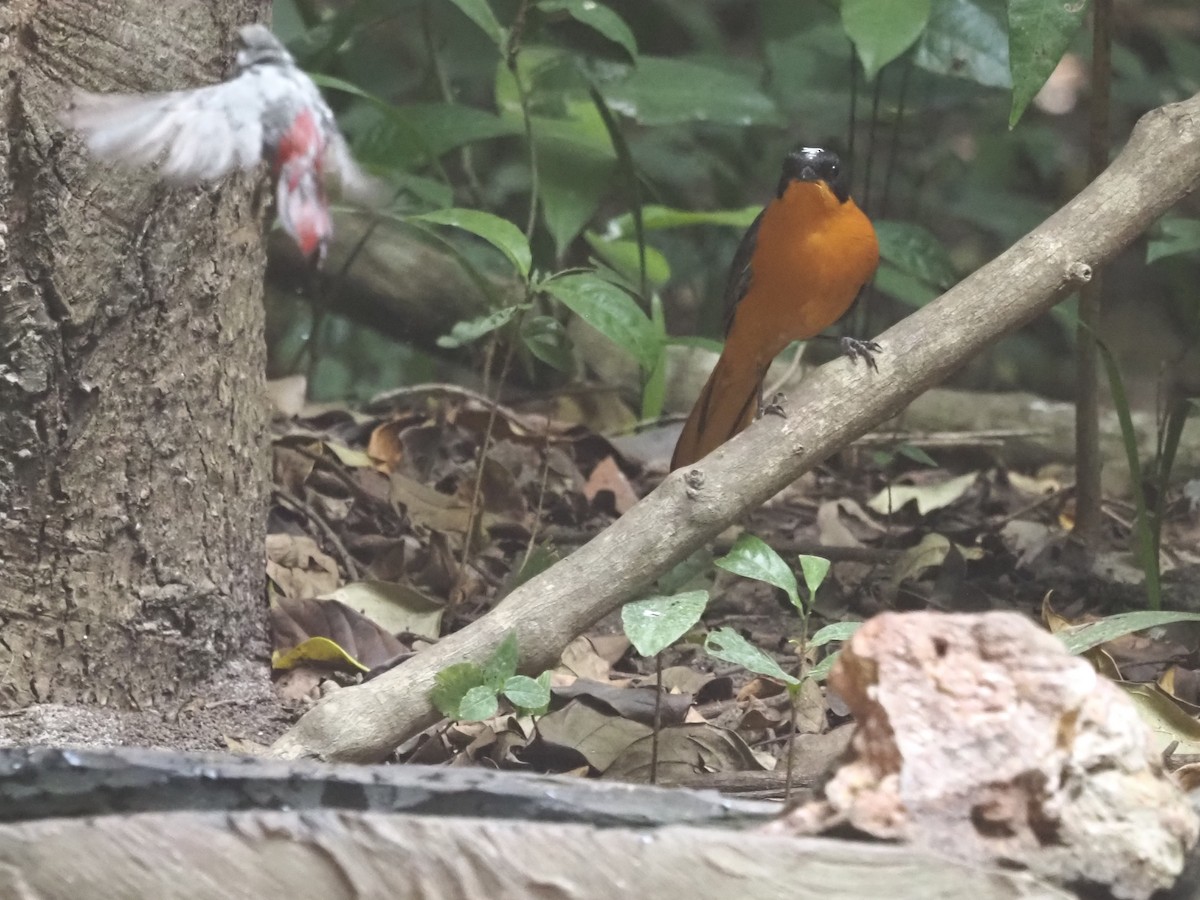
(1159, 166)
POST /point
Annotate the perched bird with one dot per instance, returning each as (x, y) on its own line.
(795, 273)
(268, 110)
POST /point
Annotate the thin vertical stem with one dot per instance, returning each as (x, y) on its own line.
(1087, 400)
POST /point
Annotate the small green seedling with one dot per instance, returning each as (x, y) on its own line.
(467, 692)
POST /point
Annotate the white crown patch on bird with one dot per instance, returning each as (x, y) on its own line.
(268, 110)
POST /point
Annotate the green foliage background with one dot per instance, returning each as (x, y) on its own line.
(667, 119)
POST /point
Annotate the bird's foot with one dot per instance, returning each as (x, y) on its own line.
(774, 406)
(864, 350)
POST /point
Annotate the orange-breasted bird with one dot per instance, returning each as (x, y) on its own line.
(795, 273)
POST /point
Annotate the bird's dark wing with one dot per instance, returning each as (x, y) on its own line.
(740, 273)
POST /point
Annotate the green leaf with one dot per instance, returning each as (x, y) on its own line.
(471, 330)
(502, 664)
(609, 310)
(478, 703)
(663, 217)
(446, 126)
(451, 684)
(669, 91)
(814, 569)
(916, 251)
(572, 180)
(1080, 638)
(917, 455)
(835, 631)
(575, 155)
(728, 645)
(598, 17)
(904, 287)
(1173, 237)
(689, 572)
(820, 671)
(1039, 33)
(882, 31)
(479, 12)
(623, 256)
(500, 233)
(654, 392)
(752, 558)
(529, 695)
(967, 39)
(656, 623)
(546, 339)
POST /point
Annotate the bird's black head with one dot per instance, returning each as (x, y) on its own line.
(815, 164)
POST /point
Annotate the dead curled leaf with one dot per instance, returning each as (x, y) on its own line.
(330, 632)
(298, 567)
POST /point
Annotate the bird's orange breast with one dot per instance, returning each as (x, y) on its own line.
(813, 255)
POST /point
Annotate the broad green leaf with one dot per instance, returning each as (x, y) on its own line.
(662, 217)
(478, 703)
(820, 671)
(622, 255)
(904, 287)
(835, 631)
(545, 338)
(917, 252)
(471, 330)
(752, 558)
(656, 623)
(1080, 638)
(728, 645)
(1039, 33)
(500, 233)
(575, 155)
(502, 665)
(609, 310)
(967, 39)
(382, 134)
(572, 180)
(396, 139)
(451, 685)
(597, 16)
(814, 569)
(690, 572)
(669, 91)
(528, 694)
(480, 12)
(1174, 236)
(882, 31)
(446, 126)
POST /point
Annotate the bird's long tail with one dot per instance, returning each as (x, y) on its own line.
(728, 403)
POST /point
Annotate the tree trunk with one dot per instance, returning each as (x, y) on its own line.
(133, 475)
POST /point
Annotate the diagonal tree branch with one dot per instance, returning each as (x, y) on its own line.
(1159, 166)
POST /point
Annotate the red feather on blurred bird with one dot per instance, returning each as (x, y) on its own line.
(268, 110)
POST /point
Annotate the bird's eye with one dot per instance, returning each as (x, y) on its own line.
(833, 169)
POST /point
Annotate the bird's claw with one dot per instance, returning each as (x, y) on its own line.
(774, 406)
(864, 350)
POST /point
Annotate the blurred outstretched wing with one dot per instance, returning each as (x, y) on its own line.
(196, 135)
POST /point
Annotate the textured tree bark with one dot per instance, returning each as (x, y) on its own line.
(133, 476)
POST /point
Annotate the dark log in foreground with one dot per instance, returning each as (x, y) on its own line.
(248, 829)
(42, 782)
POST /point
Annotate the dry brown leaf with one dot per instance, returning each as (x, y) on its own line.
(684, 752)
(298, 567)
(297, 622)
